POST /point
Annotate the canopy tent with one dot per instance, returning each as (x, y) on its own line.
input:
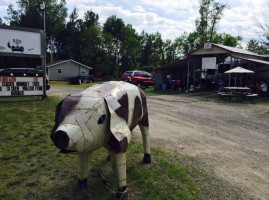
(239, 70)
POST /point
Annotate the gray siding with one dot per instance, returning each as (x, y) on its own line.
(69, 69)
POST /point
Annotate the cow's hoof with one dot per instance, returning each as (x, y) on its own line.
(147, 158)
(122, 193)
(82, 184)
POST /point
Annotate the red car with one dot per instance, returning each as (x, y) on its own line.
(139, 78)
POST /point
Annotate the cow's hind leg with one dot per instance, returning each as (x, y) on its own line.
(118, 161)
(83, 169)
(146, 143)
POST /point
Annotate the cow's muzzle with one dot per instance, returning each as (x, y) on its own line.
(68, 138)
(60, 139)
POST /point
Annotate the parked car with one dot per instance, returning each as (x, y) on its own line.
(24, 72)
(139, 78)
(76, 80)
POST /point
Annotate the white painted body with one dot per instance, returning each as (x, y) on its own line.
(77, 128)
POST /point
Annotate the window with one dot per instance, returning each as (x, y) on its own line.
(129, 73)
(59, 70)
(82, 71)
(145, 75)
(150, 76)
(137, 74)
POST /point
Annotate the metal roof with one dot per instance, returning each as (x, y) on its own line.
(64, 61)
(237, 50)
(254, 60)
(230, 50)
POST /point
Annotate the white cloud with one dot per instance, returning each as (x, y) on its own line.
(240, 19)
(171, 18)
(139, 9)
(148, 21)
(8, 2)
(3, 8)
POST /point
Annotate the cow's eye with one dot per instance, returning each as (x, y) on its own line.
(102, 119)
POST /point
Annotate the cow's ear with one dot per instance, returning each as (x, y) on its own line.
(58, 117)
(121, 133)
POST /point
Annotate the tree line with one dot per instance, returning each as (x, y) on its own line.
(115, 47)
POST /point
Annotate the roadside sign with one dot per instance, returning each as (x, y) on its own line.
(22, 42)
(21, 86)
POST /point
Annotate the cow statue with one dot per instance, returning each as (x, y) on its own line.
(102, 116)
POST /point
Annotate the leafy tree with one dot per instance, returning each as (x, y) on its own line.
(91, 19)
(130, 49)
(152, 52)
(13, 16)
(187, 42)
(68, 41)
(257, 47)
(227, 40)
(30, 15)
(113, 26)
(91, 51)
(210, 14)
(149, 68)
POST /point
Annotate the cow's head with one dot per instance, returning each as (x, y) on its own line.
(80, 123)
(86, 121)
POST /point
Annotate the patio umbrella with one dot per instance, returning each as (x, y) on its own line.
(239, 70)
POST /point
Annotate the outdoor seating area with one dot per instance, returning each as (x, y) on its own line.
(238, 92)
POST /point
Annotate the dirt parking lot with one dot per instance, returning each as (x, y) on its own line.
(231, 138)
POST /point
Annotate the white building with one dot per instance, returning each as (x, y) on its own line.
(63, 69)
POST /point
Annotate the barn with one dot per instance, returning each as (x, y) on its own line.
(204, 68)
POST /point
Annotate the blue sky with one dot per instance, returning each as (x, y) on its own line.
(170, 17)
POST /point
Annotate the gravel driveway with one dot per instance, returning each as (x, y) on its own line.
(230, 137)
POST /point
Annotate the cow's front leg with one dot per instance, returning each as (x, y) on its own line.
(83, 169)
(118, 161)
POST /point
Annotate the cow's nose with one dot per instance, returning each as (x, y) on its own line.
(60, 139)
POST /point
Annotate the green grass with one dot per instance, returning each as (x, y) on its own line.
(266, 114)
(65, 84)
(32, 168)
(150, 91)
(262, 101)
(216, 99)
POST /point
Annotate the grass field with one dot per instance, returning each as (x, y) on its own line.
(66, 84)
(217, 99)
(32, 168)
(148, 91)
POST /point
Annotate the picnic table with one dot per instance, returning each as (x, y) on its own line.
(233, 92)
(240, 90)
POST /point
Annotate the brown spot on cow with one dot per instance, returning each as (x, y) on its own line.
(145, 120)
(137, 114)
(118, 142)
(144, 101)
(64, 108)
(123, 110)
(119, 103)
